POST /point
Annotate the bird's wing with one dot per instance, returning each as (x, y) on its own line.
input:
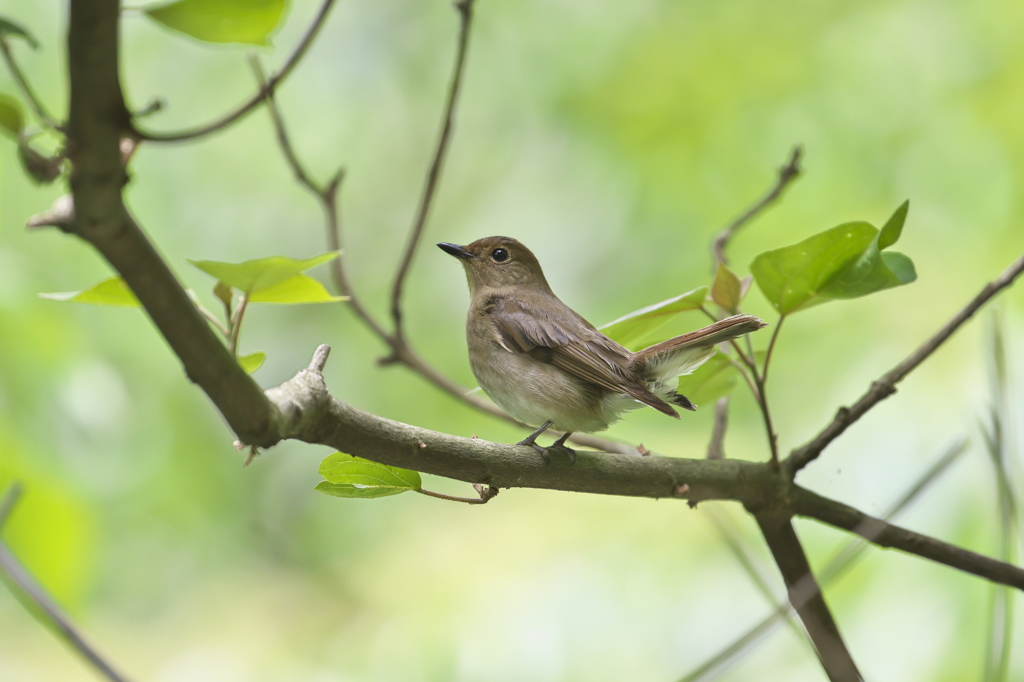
(572, 345)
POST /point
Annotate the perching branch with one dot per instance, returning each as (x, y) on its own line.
(885, 386)
(787, 174)
(36, 597)
(401, 351)
(271, 85)
(97, 121)
(465, 9)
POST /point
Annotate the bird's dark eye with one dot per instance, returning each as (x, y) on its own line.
(499, 255)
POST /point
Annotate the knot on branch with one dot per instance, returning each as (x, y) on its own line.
(302, 398)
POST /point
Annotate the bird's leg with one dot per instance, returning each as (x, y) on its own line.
(532, 438)
(560, 445)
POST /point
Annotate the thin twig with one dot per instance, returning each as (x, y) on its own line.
(885, 386)
(26, 89)
(253, 102)
(787, 174)
(486, 494)
(806, 597)
(841, 561)
(716, 448)
(14, 572)
(465, 10)
(884, 534)
(10, 500)
(236, 324)
(401, 352)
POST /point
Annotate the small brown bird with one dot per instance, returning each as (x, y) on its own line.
(548, 367)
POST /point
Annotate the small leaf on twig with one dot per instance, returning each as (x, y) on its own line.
(252, 362)
(254, 276)
(727, 290)
(12, 120)
(113, 292)
(222, 21)
(295, 289)
(846, 261)
(632, 326)
(349, 476)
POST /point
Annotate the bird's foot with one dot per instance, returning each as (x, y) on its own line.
(564, 448)
(531, 442)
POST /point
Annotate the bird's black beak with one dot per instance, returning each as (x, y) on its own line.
(455, 250)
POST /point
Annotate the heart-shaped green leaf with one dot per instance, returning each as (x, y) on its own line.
(260, 274)
(846, 261)
(222, 21)
(634, 325)
(111, 291)
(349, 476)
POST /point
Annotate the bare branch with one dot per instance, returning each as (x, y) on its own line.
(98, 120)
(716, 448)
(806, 597)
(15, 573)
(465, 9)
(26, 90)
(885, 534)
(885, 386)
(787, 174)
(254, 101)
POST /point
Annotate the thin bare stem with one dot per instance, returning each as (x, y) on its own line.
(771, 348)
(236, 324)
(26, 90)
(212, 319)
(885, 386)
(271, 85)
(486, 494)
(786, 175)
(465, 10)
(40, 602)
(716, 448)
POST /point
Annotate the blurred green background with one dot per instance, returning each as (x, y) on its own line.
(614, 139)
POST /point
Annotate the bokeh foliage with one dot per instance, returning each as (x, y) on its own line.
(614, 141)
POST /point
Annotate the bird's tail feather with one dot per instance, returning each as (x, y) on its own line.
(683, 354)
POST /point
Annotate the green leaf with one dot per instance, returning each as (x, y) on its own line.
(222, 21)
(637, 323)
(111, 291)
(349, 476)
(252, 362)
(295, 289)
(894, 226)
(12, 120)
(10, 28)
(727, 290)
(845, 261)
(712, 380)
(256, 275)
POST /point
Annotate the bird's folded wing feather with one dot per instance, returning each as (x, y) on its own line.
(573, 346)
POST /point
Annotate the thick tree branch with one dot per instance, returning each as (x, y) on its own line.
(806, 597)
(271, 85)
(97, 121)
(885, 386)
(465, 10)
